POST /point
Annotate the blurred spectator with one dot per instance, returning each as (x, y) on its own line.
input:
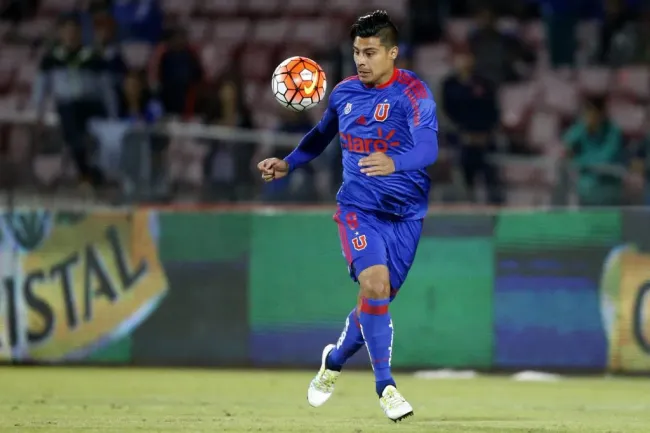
(621, 37)
(175, 73)
(642, 48)
(79, 80)
(111, 51)
(561, 19)
(139, 106)
(227, 165)
(594, 145)
(618, 37)
(139, 20)
(91, 14)
(501, 57)
(474, 128)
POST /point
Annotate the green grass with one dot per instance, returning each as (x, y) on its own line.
(125, 401)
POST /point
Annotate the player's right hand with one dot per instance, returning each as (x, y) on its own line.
(273, 168)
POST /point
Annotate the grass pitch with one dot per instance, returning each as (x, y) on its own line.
(136, 400)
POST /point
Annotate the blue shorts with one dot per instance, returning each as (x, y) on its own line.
(368, 240)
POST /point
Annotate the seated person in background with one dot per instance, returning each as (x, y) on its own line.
(594, 146)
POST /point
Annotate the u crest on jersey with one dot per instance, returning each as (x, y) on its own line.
(381, 111)
(359, 243)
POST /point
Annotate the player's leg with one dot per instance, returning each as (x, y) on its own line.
(356, 232)
(376, 323)
(377, 328)
(333, 358)
(401, 244)
(350, 341)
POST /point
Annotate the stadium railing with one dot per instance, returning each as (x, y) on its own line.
(124, 150)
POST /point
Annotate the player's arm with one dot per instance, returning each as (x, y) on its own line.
(315, 141)
(423, 126)
(311, 145)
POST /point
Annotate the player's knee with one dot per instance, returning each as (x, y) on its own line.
(375, 288)
(375, 283)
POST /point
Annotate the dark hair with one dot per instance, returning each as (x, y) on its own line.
(376, 24)
(597, 103)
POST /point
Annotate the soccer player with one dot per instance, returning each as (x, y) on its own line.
(387, 125)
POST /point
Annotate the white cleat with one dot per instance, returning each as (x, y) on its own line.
(394, 405)
(322, 386)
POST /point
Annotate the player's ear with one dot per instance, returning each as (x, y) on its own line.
(393, 52)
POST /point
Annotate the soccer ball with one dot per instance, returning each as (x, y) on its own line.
(298, 83)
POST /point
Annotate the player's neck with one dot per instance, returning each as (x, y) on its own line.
(386, 79)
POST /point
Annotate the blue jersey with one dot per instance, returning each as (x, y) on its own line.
(379, 217)
(397, 118)
(383, 119)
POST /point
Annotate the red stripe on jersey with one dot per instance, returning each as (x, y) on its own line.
(414, 91)
(345, 80)
(406, 79)
(343, 235)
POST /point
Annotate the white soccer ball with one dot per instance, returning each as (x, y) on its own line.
(299, 83)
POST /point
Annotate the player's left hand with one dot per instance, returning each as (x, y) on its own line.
(377, 164)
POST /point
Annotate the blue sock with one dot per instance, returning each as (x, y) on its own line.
(377, 330)
(349, 343)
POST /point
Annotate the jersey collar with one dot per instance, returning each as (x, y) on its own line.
(393, 78)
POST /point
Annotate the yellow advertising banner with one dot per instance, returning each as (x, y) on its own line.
(83, 284)
(625, 296)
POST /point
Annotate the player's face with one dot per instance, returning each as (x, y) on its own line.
(374, 61)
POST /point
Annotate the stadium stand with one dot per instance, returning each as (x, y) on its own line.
(256, 34)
